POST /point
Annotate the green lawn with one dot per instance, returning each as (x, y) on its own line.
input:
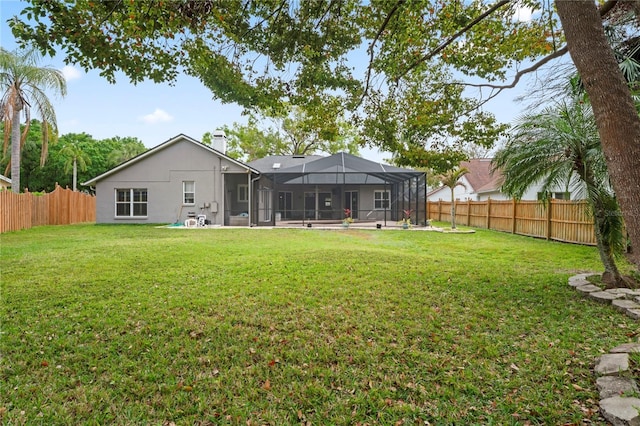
(140, 325)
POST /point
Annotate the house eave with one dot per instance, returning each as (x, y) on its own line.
(161, 146)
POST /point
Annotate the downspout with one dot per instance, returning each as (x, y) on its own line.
(214, 198)
(304, 199)
(426, 200)
(317, 207)
(410, 199)
(251, 207)
(342, 195)
(383, 203)
(304, 195)
(274, 202)
(418, 199)
(344, 184)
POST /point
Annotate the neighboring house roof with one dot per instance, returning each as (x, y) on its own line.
(438, 189)
(341, 168)
(175, 139)
(5, 179)
(480, 176)
(492, 186)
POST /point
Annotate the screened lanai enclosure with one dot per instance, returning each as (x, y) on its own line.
(324, 190)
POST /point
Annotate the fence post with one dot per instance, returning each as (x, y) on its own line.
(489, 213)
(440, 210)
(549, 214)
(468, 212)
(513, 223)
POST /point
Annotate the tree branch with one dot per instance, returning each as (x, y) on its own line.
(497, 89)
(113, 9)
(519, 74)
(606, 8)
(326, 12)
(370, 50)
(275, 12)
(453, 38)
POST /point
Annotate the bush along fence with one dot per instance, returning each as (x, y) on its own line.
(60, 207)
(560, 220)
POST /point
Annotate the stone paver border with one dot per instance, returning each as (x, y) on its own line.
(619, 402)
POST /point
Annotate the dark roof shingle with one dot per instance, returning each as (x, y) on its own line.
(480, 176)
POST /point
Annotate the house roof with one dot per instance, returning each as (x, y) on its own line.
(175, 139)
(341, 168)
(5, 179)
(272, 162)
(480, 176)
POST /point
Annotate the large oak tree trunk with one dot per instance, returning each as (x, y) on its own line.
(613, 108)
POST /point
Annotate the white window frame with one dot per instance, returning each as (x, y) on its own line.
(378, 198)
(243, 193)
(185, 192)
(134, 202)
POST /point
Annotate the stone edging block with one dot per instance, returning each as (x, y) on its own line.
(612, 364)
(609, 386)
(619, 402)
(624, 304)
(620, 410)
(604, 296)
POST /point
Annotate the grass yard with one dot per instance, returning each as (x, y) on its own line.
(139, 325)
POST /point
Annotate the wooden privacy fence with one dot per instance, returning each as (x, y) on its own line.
(60, 207)
(560, 220)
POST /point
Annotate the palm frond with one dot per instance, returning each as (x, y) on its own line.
(560, 147)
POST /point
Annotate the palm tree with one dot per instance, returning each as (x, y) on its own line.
(22, 83)
(560, 147)
(452, 179)
(75, 157)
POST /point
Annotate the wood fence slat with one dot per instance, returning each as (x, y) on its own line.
(62, 206)
(559, 220)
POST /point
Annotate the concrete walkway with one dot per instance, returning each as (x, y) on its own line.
(619, 402)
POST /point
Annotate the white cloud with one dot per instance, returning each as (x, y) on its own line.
(157, 116)
(71, 73)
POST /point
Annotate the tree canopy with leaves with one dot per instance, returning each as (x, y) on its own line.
(368, 61)
(292, 135)
(396, 67)
(99, 153)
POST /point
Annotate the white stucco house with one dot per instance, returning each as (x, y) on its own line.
(481, 184)
(5, 182)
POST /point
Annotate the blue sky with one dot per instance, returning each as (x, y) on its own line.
(154, 113)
